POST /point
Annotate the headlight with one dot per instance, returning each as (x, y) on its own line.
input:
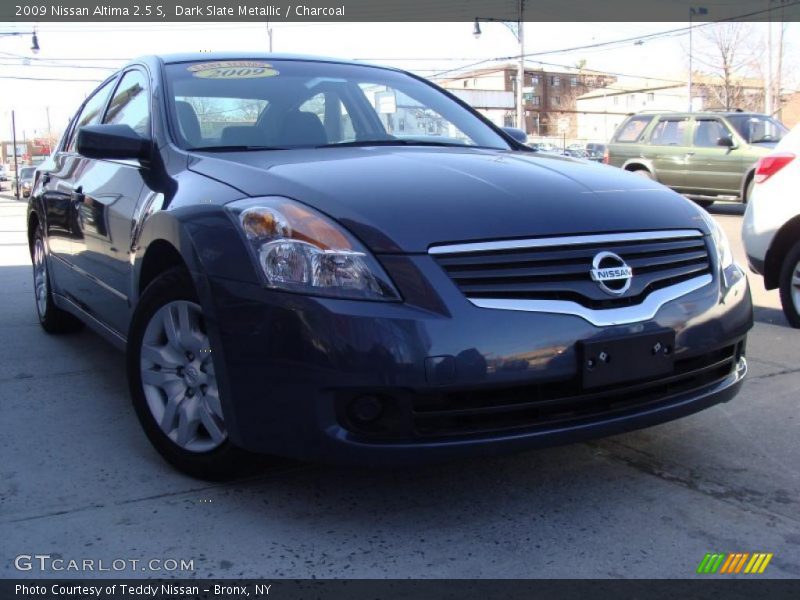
(301, 250)
(731, 272)
(721, 243)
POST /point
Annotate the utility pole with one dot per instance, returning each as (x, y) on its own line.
(521, 68)
(49, 131)
(768, 102)
(14, 141)
(518, 29)
(700, 10)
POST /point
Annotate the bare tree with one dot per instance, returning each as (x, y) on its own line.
(729, 55)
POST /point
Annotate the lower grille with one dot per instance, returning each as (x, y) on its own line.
(557, 403)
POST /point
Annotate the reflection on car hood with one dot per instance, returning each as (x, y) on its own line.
(405, 199)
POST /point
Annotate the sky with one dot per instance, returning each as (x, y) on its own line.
(91, 51)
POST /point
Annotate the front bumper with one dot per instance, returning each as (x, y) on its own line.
(291, 366)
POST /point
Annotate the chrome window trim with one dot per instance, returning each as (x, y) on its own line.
(575, 240)
(601, 317)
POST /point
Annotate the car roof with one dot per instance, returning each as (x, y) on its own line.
(699, 113)
(248, 55)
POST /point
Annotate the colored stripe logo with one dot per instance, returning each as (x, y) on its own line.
(734, 562)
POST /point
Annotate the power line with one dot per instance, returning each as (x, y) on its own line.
(50, 79)
(650, 36)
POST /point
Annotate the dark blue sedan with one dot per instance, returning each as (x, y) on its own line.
(340, 262)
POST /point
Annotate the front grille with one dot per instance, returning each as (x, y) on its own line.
(555, 404)
(559, 268)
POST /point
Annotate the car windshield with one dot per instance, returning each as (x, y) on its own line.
(758, 128)
(26, 173)
(282, 104)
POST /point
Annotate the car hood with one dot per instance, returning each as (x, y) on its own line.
(405, 199)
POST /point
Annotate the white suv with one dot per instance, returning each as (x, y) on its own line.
(771, 229)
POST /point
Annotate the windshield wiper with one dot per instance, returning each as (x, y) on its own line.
(393, 142)
(233, 148)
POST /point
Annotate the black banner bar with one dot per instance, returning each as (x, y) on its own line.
(396, 10)
(744, 588)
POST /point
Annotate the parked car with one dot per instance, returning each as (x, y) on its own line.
(706, 156)
(595, 151)
(22, 186)
(771, 226)
(575, 152)
(299, 280)
(3, 174)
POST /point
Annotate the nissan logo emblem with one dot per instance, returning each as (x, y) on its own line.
(611, 273)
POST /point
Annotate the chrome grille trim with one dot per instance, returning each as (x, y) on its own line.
(601, 317)
(574, 240)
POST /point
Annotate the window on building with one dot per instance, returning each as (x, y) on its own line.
(535, 80)
(616, 100)
(555, 100)
(555, 81)
(651, 97)
(573, 81)
(536, 100)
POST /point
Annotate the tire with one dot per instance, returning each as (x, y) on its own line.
(790, 286)
(644, 173)
(748, 191)
(188, 429)
(51, 318)
(704, 203)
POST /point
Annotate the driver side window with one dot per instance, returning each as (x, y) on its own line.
(91, 113)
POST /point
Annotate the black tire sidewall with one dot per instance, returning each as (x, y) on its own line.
(217, 464)
(787, 271)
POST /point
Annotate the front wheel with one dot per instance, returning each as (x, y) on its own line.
(644, 173)
(173, 383)
(703, 203)
(790, 286)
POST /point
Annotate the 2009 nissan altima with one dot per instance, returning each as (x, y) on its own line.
(340, 262)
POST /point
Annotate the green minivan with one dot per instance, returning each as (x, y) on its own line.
(705, 156)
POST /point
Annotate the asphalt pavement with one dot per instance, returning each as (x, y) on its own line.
(78, 479)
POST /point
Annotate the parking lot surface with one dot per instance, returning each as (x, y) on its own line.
(78, 479)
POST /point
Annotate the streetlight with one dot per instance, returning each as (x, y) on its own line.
(699, 11)
(519, 32)
(34, 38)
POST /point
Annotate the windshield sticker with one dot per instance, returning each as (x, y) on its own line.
(233, 69)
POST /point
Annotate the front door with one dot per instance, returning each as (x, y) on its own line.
(713, 169)
(107, 193)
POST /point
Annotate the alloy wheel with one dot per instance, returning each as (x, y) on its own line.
(40, 276)
(178, 377)
(796, 286)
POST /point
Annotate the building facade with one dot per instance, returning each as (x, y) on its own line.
(549, 96)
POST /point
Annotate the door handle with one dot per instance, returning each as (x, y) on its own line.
(77, 195)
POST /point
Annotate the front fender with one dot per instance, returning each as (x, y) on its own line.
(206, 238)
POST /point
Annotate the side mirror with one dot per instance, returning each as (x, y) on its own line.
(518, 135)
(726, 142)
(111, 141)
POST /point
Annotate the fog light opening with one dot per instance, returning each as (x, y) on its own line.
(366, 409)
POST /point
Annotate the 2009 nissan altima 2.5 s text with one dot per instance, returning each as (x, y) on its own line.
(340, 262)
